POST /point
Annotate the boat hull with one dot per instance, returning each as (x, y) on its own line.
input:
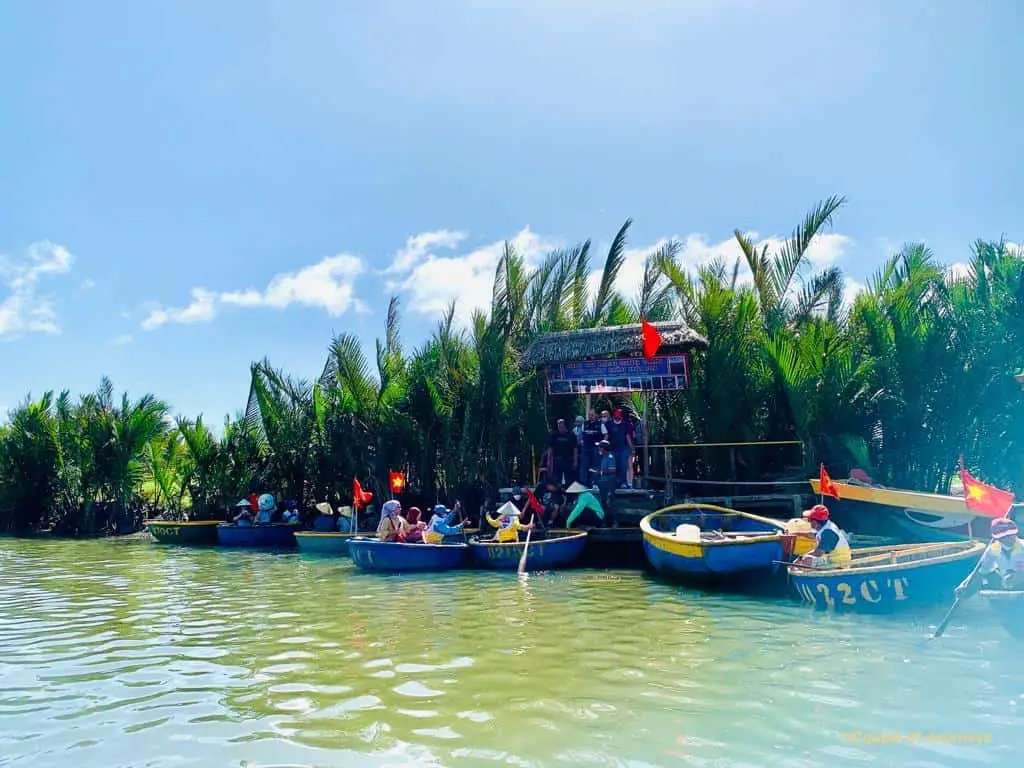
(731, 544)
(326, 543)
(558, 550)
(1008, 606)
(393, 557)
(193, 533)
(276, 536)
(908, 516)
(889, 580)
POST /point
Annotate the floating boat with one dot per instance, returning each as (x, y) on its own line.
(705, 541)
(263, 536)
(1008, 605)
(889, 578)
(909, 516)
(195, 533)
(390, 556)
(324, 542)
(557, 550)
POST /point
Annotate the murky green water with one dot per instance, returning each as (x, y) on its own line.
(124, 653)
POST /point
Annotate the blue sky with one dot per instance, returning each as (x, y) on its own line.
(188, 186)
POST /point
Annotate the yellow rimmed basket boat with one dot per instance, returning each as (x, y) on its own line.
(886, 579)
(194, 533)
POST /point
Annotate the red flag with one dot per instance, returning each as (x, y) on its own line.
(983, 498)
(827, 487)
(532, 500)
(397, 481)
(360, 498)
(652, 339)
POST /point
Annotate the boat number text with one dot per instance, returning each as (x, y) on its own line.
(893, 590)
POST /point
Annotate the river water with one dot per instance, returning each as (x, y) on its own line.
(126, 653)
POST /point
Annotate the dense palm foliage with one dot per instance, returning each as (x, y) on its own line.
(915, 371)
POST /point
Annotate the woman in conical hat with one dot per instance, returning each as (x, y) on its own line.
(507, 522)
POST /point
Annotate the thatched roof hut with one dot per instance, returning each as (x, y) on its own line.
(613, 341)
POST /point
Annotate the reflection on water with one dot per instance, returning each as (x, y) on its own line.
(124, 653)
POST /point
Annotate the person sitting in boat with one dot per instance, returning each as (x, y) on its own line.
(507, 522)
(344, 519)
(391, 522)
(291, 512)
(833, 548)
(245, 514)
(412, 531)
(551, 498)
(438, 526)
(324, 522)
(1002, 563)
(267, 507)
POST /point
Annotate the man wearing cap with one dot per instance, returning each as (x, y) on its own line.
(438, 526)
(833, 548)
(620, 436)
(1001, 564)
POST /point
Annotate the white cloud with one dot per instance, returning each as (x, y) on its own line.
(695, 251)
(124, 338)
(958, 271)
(851, 290)
(24, 310)
(420, 247)
(468, 279)
(202, 309)
(328, 285)
(88, 284)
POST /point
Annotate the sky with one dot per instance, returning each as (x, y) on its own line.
(187, 187)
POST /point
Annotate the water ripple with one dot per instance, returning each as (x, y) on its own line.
(125, 653)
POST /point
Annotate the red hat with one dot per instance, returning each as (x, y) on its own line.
(1003, 527)
(617, 413)
(817, 512)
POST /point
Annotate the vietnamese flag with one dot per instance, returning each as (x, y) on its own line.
(397, 481)
(826, 486)
(360, 498)
(983, 498)
(651, 339)
(533, 503)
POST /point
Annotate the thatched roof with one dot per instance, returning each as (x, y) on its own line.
(616, 340)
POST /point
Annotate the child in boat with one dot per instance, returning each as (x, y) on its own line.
(507, 522)
(832, 549)
(438, 526)
(1001, 564)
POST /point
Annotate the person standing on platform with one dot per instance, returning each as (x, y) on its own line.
(593, 432)
(564, 454)
(619, 437)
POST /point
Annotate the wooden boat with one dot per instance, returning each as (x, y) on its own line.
(705, 541)
(889, 578)
(1008, 605)
(557, 550)
(386, 556)
(263, 536)
(195, 533)
(324, 542)
(910, 516)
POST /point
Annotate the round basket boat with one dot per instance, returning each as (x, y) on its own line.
(272, 536)
(394, 557)
(194, 533)
(324, 543)
(557, 550)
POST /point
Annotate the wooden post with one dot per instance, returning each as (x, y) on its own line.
(668, 475)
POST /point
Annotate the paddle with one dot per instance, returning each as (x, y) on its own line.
(956, 603)
(522, 559)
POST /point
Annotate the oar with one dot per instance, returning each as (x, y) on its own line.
(522, 559)
(956, 603)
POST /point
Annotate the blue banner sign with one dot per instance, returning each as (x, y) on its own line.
(619, 374)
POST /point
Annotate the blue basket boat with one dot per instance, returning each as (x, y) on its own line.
(558, 550)
(394, 557)
(707, 542)
(272, 536)
(324, 542)
(886, 579)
